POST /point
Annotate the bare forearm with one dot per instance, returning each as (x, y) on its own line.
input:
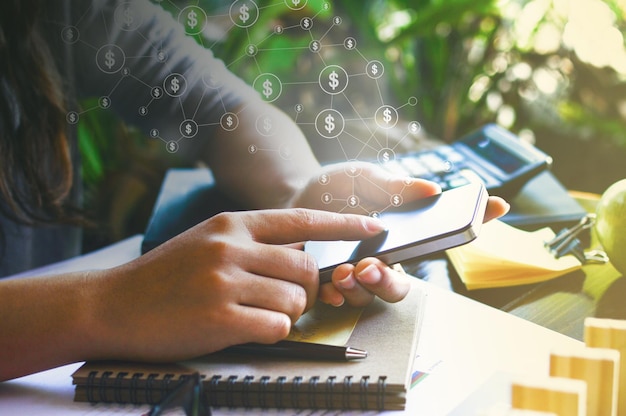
(43, 323)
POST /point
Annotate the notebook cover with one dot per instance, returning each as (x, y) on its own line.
(388, 332)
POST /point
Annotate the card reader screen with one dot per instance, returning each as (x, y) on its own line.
(495, 153)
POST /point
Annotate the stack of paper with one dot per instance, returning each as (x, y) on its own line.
(503, 255)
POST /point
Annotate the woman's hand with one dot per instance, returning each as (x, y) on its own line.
(232, 279)
(374, 188)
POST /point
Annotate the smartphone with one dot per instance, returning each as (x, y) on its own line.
(414, 229)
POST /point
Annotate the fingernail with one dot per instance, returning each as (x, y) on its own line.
(374, 224)
(338, 302)
(426, 186)
(370, 275)
(348, 282)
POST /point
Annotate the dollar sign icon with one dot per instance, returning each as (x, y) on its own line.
(353, 201)
(267, 124)
(229, 121)
(333, 80)
(250, 50)
(374, 69)
(129, 17)
(267, 89)
(387, 115)
(192, 19)
(396, 200)
(330, 123)
(386, 157)
(175, 85)
(172, 146)
(244, 14)
(109, 59)
(189, 128)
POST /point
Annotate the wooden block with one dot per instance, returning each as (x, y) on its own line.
(508, 411)
(561, 396)
(610, 333)
(598, 367)
(523, 412)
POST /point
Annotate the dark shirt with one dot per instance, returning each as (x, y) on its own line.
(154, 49)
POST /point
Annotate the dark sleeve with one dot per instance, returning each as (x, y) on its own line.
(138, 58)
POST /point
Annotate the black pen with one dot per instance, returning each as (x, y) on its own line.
(302, 350)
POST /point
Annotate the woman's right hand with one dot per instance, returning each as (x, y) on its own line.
(232, 279)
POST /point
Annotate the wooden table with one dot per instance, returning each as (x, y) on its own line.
(561, 304)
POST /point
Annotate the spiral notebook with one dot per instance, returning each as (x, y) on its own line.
(388, 332)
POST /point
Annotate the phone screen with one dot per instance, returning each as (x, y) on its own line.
(414, 229)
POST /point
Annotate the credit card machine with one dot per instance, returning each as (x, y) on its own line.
(491, 155)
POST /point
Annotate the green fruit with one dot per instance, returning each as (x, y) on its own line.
(610, 224)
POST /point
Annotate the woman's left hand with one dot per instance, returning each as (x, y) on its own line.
(361, 187)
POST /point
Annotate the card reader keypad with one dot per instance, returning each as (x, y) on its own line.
(443, 165)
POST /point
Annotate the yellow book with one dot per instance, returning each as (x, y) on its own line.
(503, 255)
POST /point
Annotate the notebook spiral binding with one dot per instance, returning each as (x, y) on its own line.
(234, 391)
